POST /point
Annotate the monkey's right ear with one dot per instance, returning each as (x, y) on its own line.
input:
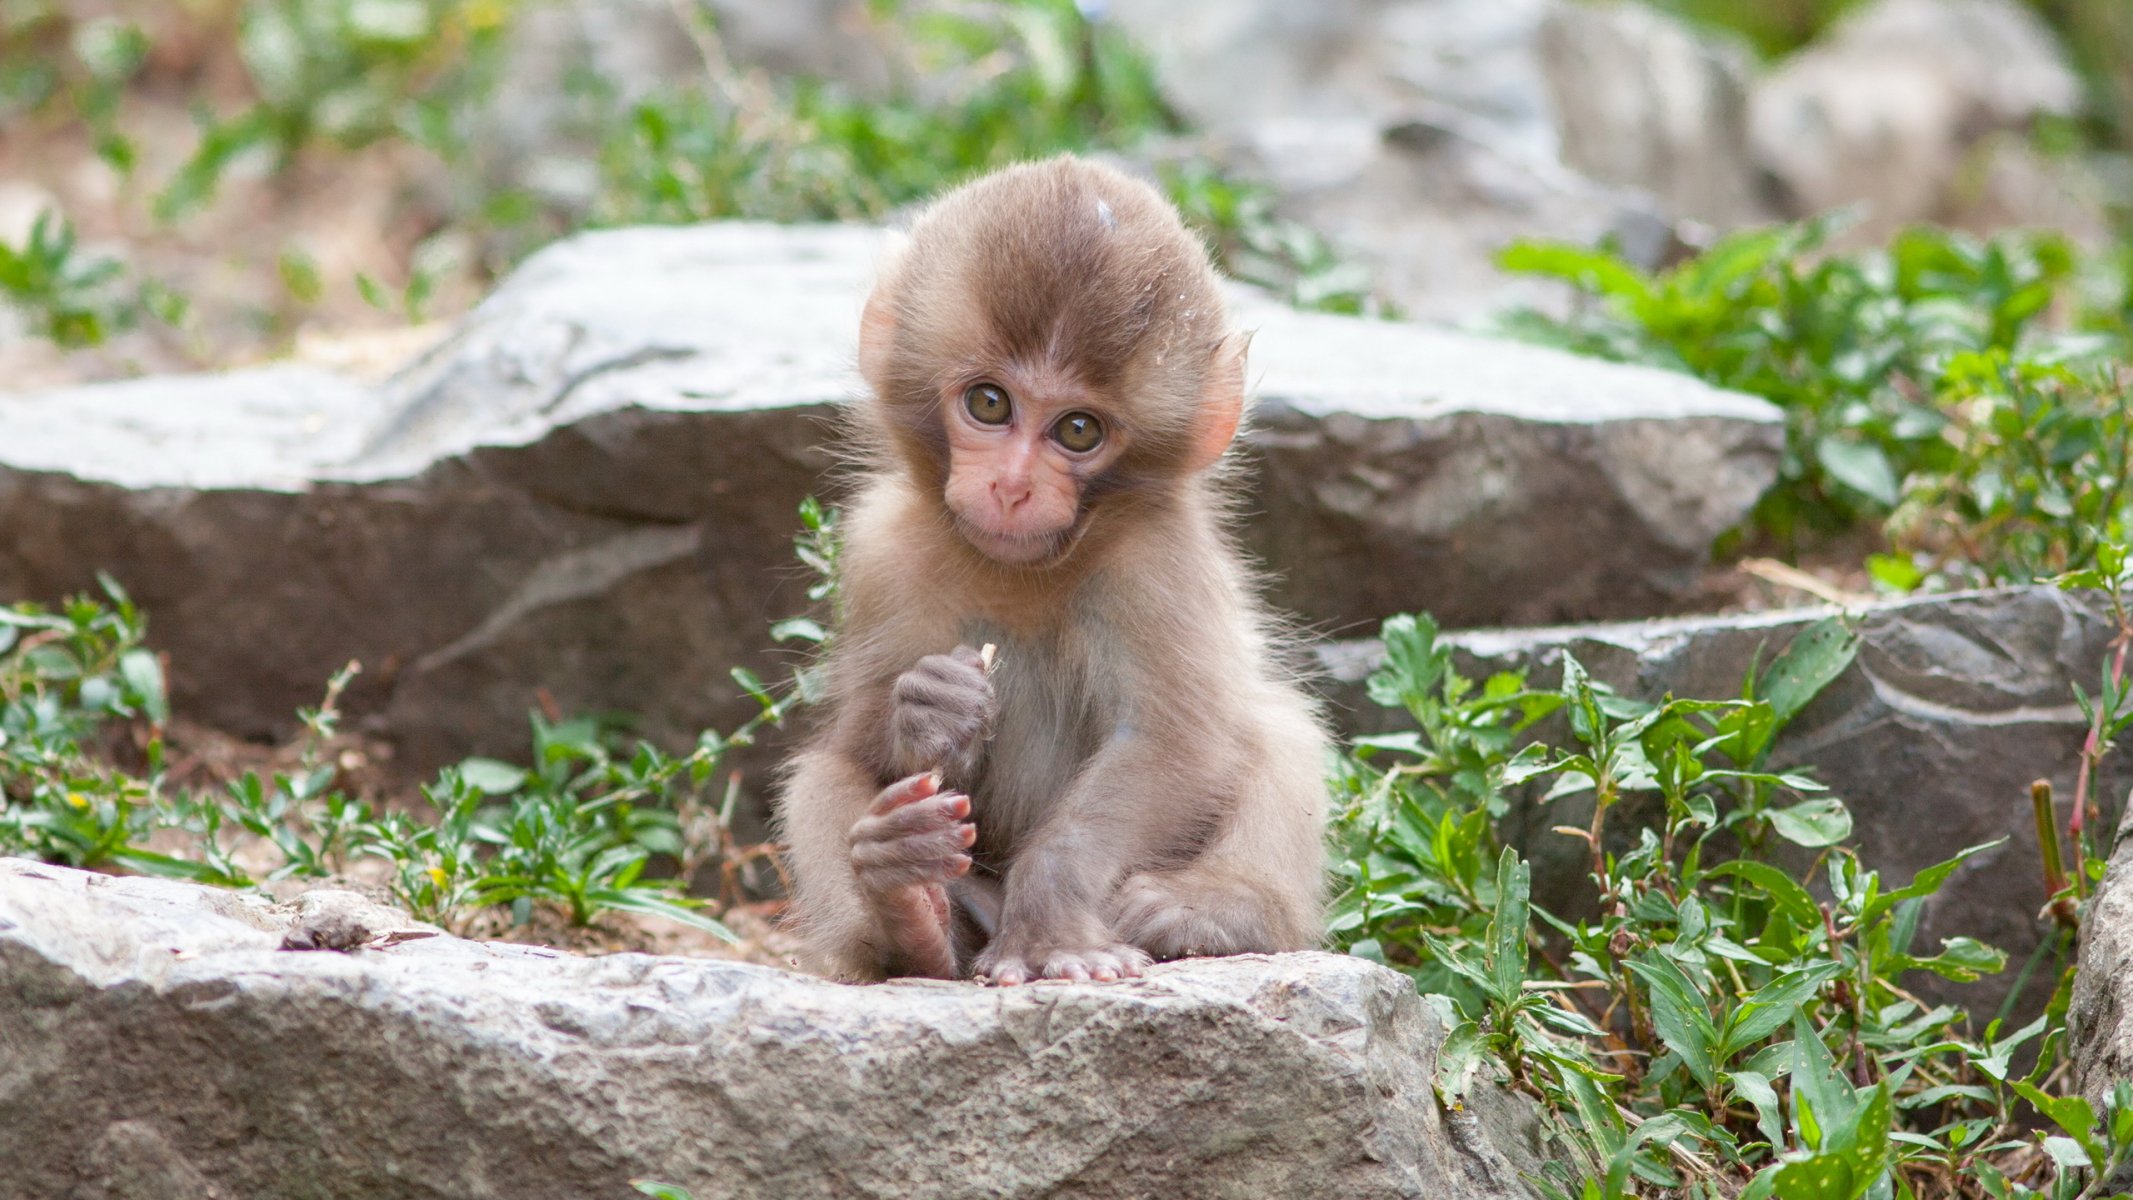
(877, 334)
(877, 325)
(1221, 401)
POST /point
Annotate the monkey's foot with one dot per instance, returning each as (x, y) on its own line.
(1182, 914)
(1102, 963)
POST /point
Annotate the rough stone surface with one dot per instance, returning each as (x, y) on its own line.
(2099, 1016)
(1953, 706)
(1642, 100)
(1416, 133)
(155, 1045)
(1888, 107)
(590, 489)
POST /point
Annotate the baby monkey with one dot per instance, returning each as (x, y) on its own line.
(1054, 383)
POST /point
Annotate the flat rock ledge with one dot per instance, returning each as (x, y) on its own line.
(589, 488)
(155, 1043)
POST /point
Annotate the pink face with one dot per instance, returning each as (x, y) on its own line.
(1022, 445)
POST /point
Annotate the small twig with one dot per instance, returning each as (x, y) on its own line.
(1785, 575)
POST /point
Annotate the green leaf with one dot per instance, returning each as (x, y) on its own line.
(1507, 926)
(1961, 959)
(1925, 883)
(1594, 271)
(1896, 572)
(660, 1191)
(1681, 1016)
(1809, 663)
(798, 629)
(1813, 823)
(492, 777)
(1754, 1088)
(1771, 1006)
(634, 900)
(144, 677)
(1860, 466)
(1458, 1059)
(2072, 1114)
(1783, 890)
(1852, 1158)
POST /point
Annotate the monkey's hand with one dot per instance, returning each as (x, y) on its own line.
(913, 839)
(939, 713)
(1011, 961)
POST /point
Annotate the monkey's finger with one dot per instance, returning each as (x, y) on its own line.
(931, 849)
(969, 657)
(943, 684)
(934, 814)
(906, 790)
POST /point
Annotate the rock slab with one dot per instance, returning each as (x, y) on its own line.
(587, 492)
(155, 1044)
(1952, 707)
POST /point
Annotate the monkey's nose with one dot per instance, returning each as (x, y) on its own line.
(1010, 494)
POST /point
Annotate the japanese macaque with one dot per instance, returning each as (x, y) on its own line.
(1056, 744)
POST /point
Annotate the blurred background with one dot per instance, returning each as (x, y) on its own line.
(204, 183)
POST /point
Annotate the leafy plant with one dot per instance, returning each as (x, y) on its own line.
(1863, 352)
(1714, 1026)
(578, 829)
(346, 73)
(69, 295)
(1254, 243)
(64, 676)
(1031, 77)
(2036, 481)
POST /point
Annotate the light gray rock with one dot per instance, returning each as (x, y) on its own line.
(157, 1045)
(1417, 134)
(2099, 1016)
(590, 490)
(1642, 100)
(1953, 706)
(1888, 107)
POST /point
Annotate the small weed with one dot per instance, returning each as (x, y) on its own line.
(69, 295)
(1256, 244)
(2035, 479)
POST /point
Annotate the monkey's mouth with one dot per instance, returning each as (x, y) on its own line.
(1018, 550)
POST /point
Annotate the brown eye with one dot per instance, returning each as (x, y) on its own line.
(988, 405)
(1079, 432)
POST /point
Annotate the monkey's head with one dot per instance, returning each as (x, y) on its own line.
(1050, 340)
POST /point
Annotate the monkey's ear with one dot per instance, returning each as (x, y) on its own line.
(1221, 402)
(877, 325)
(877, 334)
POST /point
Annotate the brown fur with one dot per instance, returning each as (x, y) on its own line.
(1149, 783)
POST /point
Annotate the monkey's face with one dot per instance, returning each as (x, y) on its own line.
(1024, 445)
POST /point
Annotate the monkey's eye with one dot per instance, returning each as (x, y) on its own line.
(1079, 432)
(988, 405)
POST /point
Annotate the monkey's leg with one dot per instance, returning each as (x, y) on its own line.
(1256, 888)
